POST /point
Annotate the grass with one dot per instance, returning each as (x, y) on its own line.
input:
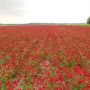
(88, 25)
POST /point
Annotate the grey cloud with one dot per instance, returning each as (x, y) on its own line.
(11, 7)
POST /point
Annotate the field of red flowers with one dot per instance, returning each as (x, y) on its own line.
(44, 57)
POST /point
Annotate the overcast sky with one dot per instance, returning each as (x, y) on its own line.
(48, 11)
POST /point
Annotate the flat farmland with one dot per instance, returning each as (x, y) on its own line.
(45, 57)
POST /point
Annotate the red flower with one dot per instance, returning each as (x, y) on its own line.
(33, 71)
(81, 80)
(78, 70)
(59, 88)
(8, 83)
(69, 75)
(60, 77)
(10, 89)
(15, 83)
(45, 77)
(88, 85)
(29, 67)
(82, 89)
(66, 86)
(85, 73)
(48, 74)
(40, 88)
(52, 80)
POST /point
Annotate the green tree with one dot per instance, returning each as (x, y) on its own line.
(88, 20)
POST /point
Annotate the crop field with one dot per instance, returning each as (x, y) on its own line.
(45, 57)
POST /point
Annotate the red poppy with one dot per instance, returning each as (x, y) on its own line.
(59, 88)
(40, 88)
(69, 75)
(88, 85)
(81, 80)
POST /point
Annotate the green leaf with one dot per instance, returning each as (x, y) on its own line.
(25, 86)
(3, 80)
(70, 64)
(2, 87)
(1, 61)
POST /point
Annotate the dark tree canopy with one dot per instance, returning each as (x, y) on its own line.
(88, 20)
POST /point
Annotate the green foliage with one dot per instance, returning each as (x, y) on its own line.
(29, 75)
(78, 87)
(52, 85)
(7, 58)
(26, 86)
(70, 64)
(13, 75)
(2, 87)
(88, 20)
(3, 80)
(42, 55)
(1, 61)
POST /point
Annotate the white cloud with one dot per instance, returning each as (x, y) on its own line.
(11, 8)
(59, 11)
